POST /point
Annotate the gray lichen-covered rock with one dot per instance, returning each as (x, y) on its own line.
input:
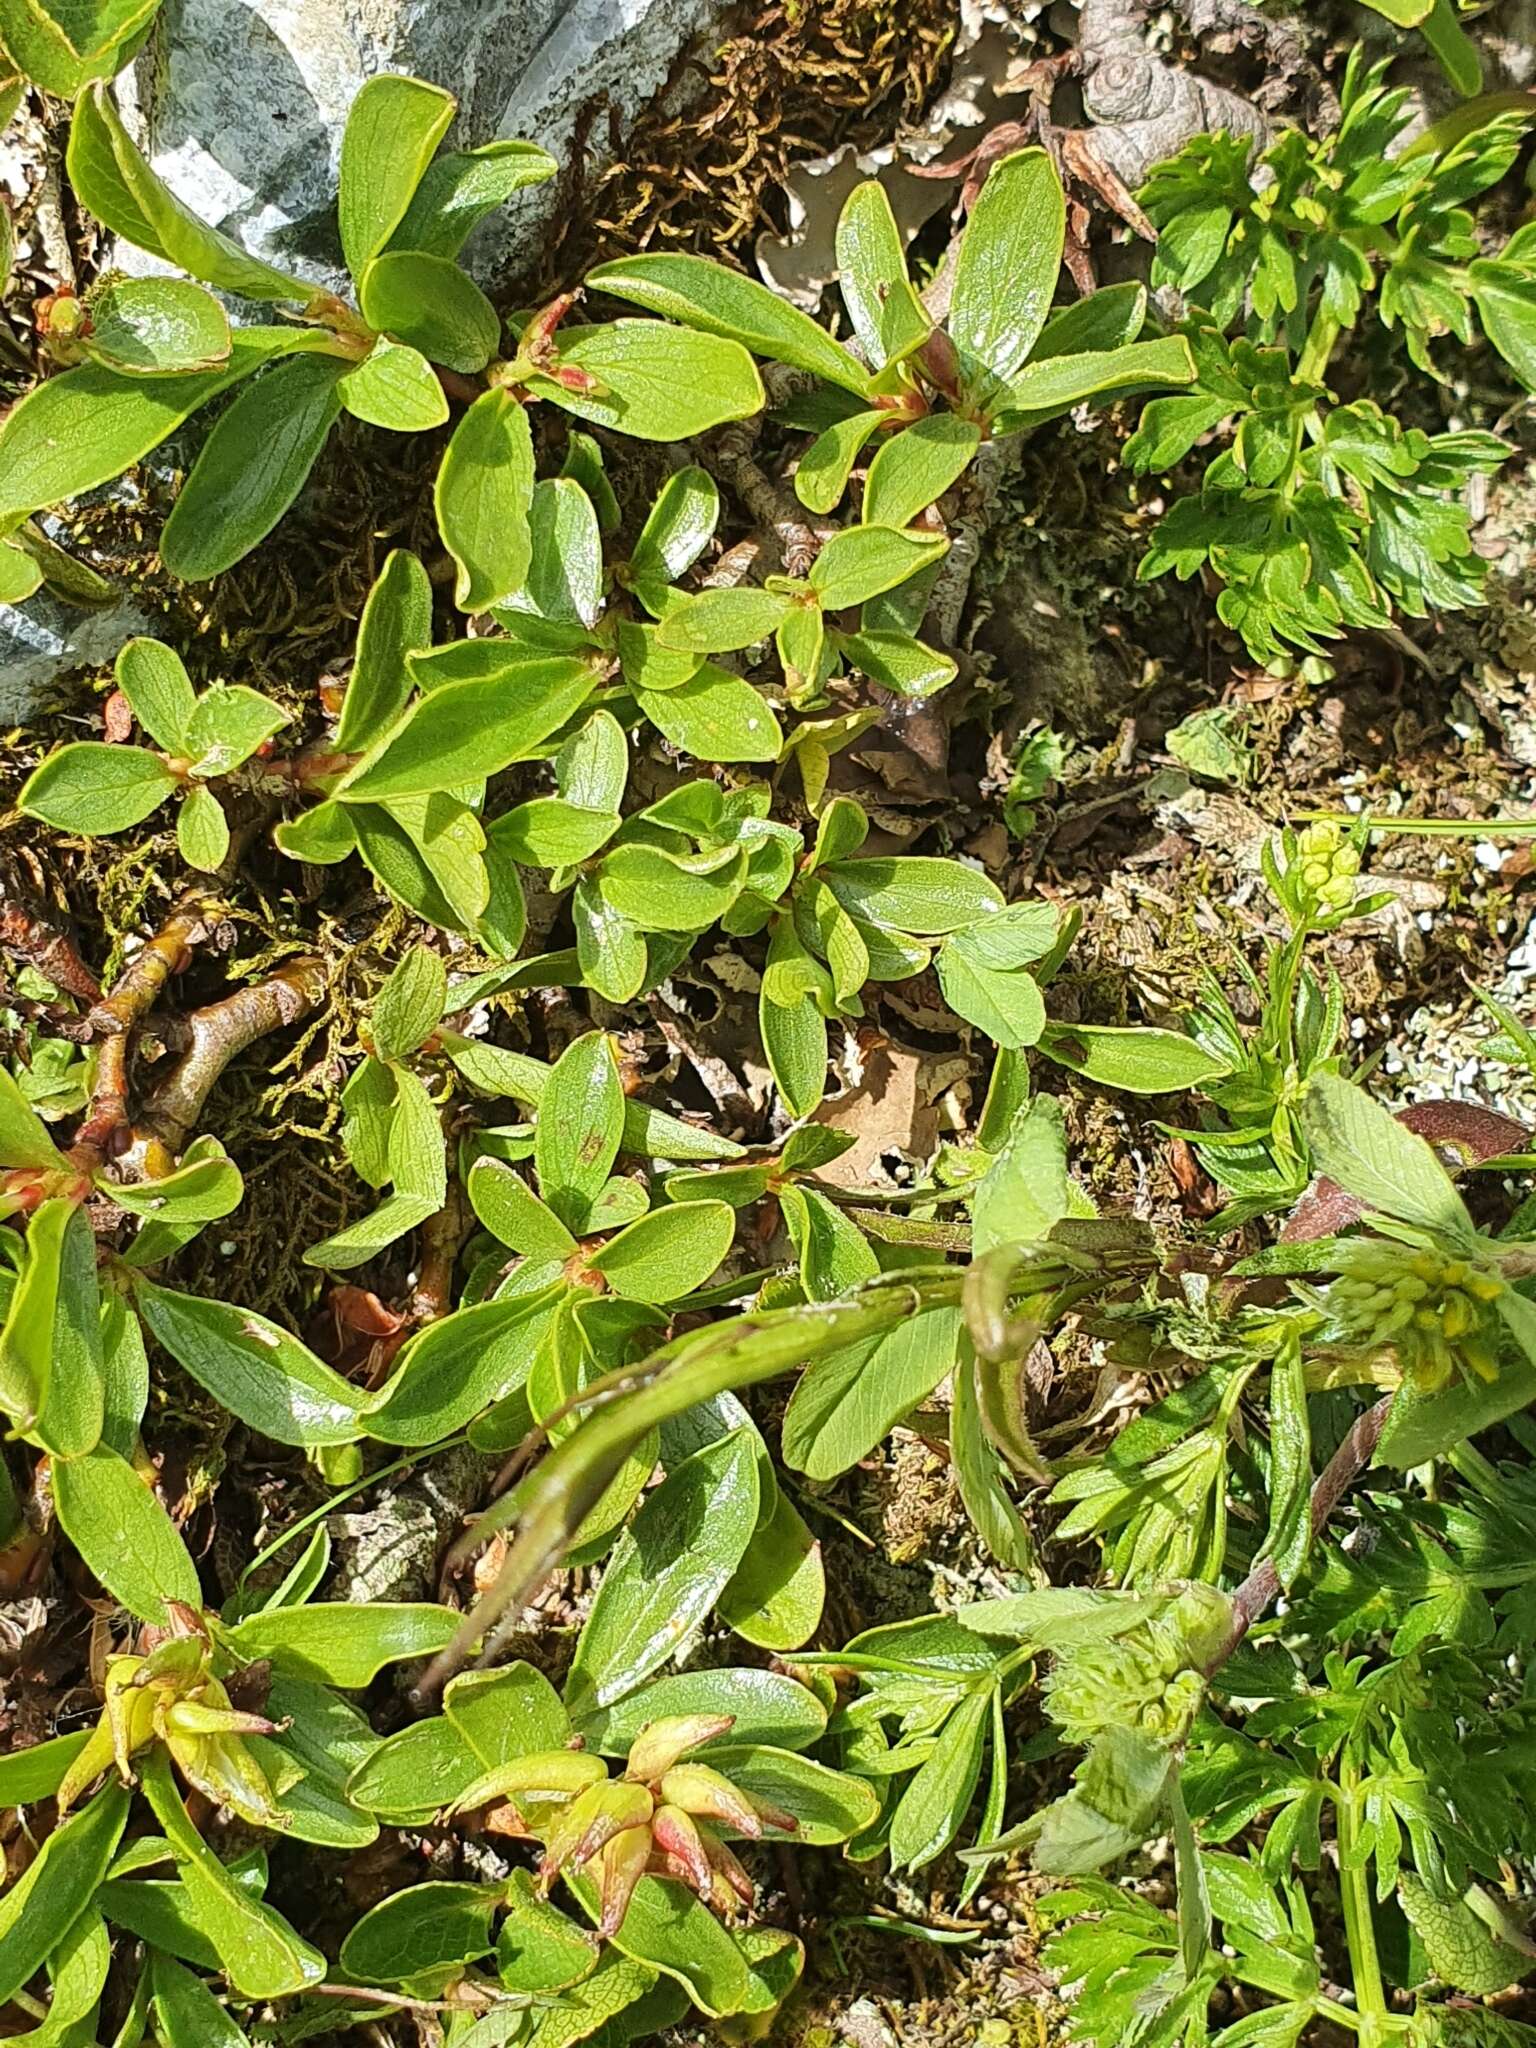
(241, 103)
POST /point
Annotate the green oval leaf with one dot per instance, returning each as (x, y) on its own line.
(256, 1370)
(252, 467)
(482, 495)
(91, 787)
(395, 386)
(425, 1928)
(429, 303)
(461, 186)
(343, 1645)
(1009, 261)
(124, 1534)
(768, 1708)
(57, 1887)
(466, 732)
(144, 326)
(667, 1570)
(393, 128)
(654, 382)
(713, 300)
(667, 1254)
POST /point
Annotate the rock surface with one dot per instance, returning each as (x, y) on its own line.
(241, 103)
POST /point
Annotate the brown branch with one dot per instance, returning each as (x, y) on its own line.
(442, 1237)
(142, 980)
(37, 940)
(222, 1031)
(786, 525)
(1262, 1585)
(112, 1018)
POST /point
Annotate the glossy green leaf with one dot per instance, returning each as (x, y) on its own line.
(483, 492)
(466, 732)
(409, 1007)
(920, 894)
(396, 622)
(186, 2011)
(1140, 1059)
(228, 723)
(898, 662)
(124, 1535)
(422, 1929)
(343, 1645)
(63, 48)
(667, 1254)
(324, 834)
(831, 1806)
(144, 326)
(665, 892)
(578, 1128)
(395, 386)
(706, 296)
(256, 1370)
(51, 1364)
(666, 1571)
(431, 305)
(92, 787)
(20, 576)
(865, 561)
(461, 186)
(1009, 261)
(34, 1773)
(845, 1404)
(650, 1133)
(778, 1591)
(393, 128)
(914, 468)
(261, 1954)
(888, 316)
(1057, 382)
(721, 621)
(654, 382)
(793, 1027)
(488, 1718)
(825, 467)
(679, 526)
(565, 570)
(39, 1909)
(513, 1213)
(202, 831)
(538, 1948)
(1389, 1168)
(112, 177)
(669, 1929)
(767, 1708)
(252, 467)
(715, 716)
(452, 1369)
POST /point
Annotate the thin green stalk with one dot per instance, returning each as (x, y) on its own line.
(1359, 1927)
(336, 1500)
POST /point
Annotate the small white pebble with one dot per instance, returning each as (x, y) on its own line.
(1357, 1027)
(1425, 920)
(227, 1248)
(1487, 855)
